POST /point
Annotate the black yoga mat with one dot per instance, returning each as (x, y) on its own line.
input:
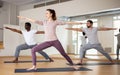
(95, 64)
(52, 70)
(26, 61)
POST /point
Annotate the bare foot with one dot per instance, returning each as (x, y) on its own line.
(111, 62)
(32, 68)
(15, 61)
(51, 60)
(78, 64)
(75, 67)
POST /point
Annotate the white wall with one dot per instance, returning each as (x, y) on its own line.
(4, 18)
(11, 40)
(8, 16)
(78, 6)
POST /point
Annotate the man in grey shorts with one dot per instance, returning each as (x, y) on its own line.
(28, 35)
(93, 42)
(118, 44)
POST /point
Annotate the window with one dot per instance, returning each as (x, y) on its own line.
(116, 23)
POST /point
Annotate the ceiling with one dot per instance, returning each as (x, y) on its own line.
(23, 2)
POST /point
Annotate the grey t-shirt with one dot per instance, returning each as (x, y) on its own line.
(118, 38)
(91, 35)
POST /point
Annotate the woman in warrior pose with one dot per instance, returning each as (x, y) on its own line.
(50, 36)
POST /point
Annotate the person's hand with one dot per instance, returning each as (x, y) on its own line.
(68, 28)
(6, 27)
(21, 17)
(81, 23)
(114, 28)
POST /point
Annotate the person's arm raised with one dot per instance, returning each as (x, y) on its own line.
(14, 30)
(31, 20)
(40, 32)
(105, 29)
(75, 29)
(68, 23)
(73, 23)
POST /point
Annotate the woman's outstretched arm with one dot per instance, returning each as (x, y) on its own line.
(31, 20)
(75, 29)
(73, 23)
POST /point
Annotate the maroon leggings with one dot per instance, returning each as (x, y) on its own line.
(47, 44)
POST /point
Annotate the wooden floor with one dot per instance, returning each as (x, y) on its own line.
(8, 68)
(1, 45)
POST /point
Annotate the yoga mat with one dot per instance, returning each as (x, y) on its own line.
(27, 61)
(95, 64)
(52, 70)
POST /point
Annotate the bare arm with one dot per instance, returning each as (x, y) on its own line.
(14, 30)
(73, 23)
(31, 20)
(75, 29)
(40, 32)
(106, 29)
